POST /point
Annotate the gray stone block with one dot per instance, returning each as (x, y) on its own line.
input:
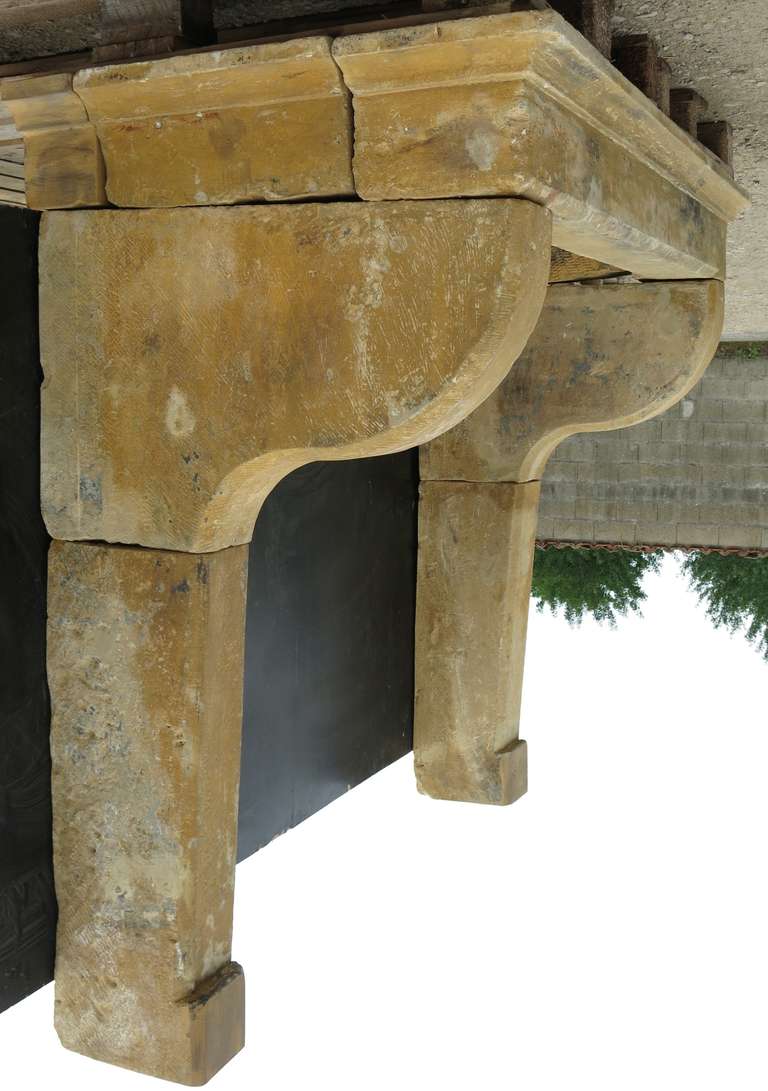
(641, 511)
(756, 476)
(595, 509)
(654, 533)
(716, 389)
(664, 453)
(737, 537)
(722, 475)
(698, 534)
(574, 530)
(545, 527)
(709, 409)
(722, 432)
(744, 409)
(615, 532)
(560, 470)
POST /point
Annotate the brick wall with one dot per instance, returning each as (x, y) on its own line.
(697, 475)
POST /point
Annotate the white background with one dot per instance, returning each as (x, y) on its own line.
(608, 932)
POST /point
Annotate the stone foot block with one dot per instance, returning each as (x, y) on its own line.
(501, 781)
(195, 1037)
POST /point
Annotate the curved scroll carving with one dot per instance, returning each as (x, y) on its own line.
(193, 357)
(602, 357)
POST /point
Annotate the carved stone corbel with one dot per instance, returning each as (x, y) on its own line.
(601, 357)
(192, 358)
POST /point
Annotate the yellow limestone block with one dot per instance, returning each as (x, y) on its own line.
(62, 158)
(521, 104)
(145, 661)
(473, 589)
(193, 357)
(268, 122)
(601, 357)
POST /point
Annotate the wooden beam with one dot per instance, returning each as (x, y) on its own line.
(687, 108)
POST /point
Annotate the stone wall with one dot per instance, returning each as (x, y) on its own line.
(695, 476)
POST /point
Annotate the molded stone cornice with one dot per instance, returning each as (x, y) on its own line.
(502, 105)
(523, 104)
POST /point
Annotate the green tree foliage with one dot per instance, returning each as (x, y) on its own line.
(734, 591)
(598, 582)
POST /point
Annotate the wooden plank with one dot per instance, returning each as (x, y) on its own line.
(687, 108)
(11, 197)
(9, 182)
(592, 18)
(718, 137)
(10, 167)
(637, 57)
(15, 13)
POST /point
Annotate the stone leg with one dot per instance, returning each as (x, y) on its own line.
(583, 369)
(145, 670)
(476, 543)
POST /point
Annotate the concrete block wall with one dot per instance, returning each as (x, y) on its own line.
(695, 476)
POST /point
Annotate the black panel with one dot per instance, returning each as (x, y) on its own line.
(329, 644)
(27, 906)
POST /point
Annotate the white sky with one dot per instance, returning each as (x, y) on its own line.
(608, 932)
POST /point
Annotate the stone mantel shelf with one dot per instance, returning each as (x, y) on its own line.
(515, 104)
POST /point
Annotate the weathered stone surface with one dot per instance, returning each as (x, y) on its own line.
(193, 357)
(267, 122)
(567, 267)
(584, 370)
(473, 591)
(62, 158)
(145, 652)
(520, 104)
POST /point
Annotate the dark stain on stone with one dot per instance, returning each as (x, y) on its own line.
(90, 491)
(202, 572)
(182, 587)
